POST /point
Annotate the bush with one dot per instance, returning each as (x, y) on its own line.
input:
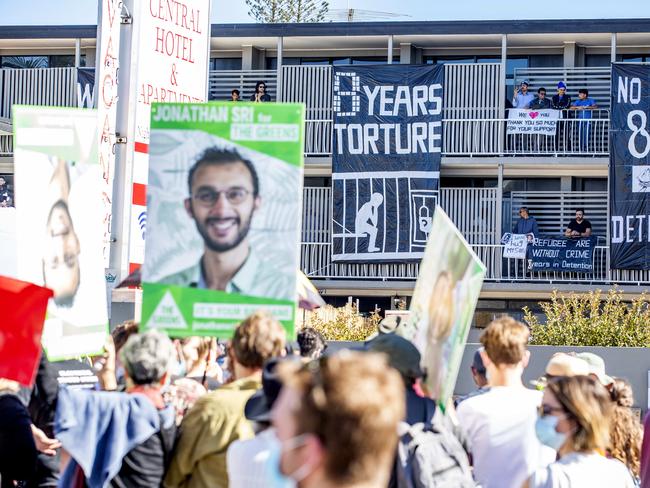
(342, 323)
(591, 320)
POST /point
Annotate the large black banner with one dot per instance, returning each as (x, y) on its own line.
(86, 88)
(386, 160)
(563, 254)
(629, 167)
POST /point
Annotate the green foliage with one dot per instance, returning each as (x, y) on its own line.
(342, 323)
(592, 319)
(276, 11)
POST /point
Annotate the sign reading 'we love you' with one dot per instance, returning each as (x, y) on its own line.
(521, 121)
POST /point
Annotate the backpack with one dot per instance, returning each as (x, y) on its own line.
(429, 455)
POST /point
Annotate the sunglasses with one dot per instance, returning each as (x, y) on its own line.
(545, 410)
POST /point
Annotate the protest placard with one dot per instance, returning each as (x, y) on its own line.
(59, 223)
(563, 254)
(23, 308)
(223, 203)
(442, 308)
(514, 245)
(524, 121)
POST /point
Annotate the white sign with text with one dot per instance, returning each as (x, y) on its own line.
(524, 121)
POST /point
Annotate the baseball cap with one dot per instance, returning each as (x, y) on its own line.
(402, 354)
(596, 366)
(562, 364)
(258, 407)
(561, 85)
(525, 82)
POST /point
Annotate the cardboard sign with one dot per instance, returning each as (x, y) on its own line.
(223, 228)
(514, 245)
(442, 308)
(23, 308)
(524, 121)
(60, 223)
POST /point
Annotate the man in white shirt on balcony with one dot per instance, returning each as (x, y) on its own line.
(522, 98)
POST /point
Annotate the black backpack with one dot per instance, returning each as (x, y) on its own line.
(429, 455)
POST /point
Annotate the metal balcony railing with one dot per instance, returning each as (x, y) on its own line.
(221, 83)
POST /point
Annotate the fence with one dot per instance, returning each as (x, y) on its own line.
(222, 83)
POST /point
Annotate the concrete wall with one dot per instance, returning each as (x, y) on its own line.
(631, 363)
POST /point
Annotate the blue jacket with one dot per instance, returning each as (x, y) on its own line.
(526, 226)
(99, 429)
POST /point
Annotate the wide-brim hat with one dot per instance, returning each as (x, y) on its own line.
(258, 407)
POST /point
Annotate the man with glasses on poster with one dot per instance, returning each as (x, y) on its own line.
(223, 197)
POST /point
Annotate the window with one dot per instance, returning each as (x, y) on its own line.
(317, 181)
(589, 184)
(532, 184)
(272, 63)
(597, 60)
(225, 64)
(22, 62)
(468, 182)
(66, 61)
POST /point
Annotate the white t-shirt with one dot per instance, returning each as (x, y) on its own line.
(500, 426)
(578, 470)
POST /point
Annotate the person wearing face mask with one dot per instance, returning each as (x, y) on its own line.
(573, 420)
(337, 420)
(254, 463)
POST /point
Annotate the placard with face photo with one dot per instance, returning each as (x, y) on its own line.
(59, 223)
(223, 215)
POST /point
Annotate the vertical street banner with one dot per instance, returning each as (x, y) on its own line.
(442, 308)
(170, 64)
(104, 81)
(629, 167)
(386, 160)
(59, 231)
(224, 200)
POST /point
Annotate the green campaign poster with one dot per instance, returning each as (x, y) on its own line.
(60, 222)
(223, 216)
(442, 307)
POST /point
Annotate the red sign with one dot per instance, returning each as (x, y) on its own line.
(23, 308)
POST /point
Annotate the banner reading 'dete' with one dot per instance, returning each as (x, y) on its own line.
(386, 160)
(629, 167)
(59, 223)
(223, 203)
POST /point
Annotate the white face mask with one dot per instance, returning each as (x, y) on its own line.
(290, 444)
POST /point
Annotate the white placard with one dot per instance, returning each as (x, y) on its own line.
(514, 246)
(524, 121)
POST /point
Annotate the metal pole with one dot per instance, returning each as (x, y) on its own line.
(77, 52)
(502, 92)
(613, 48)
(390, 50)
(279, 97)
(499, 219)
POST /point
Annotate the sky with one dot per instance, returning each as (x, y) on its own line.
(73, 12)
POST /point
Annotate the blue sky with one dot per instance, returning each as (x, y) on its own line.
(49, 12)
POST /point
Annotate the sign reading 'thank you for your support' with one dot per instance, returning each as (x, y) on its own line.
(386, 160)
(543, 122)
(563, 254)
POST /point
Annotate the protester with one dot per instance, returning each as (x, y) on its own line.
(199, 354)
(573, 420)
(526, 224)
(109, 368)
(522, 98)
(541, 102)
(596, 366)
(260, 94)
(626, 433)
(217, 419)
(645, 453)
(561, 101)
(336, 419)
(479, 376)
(17, 448)
(562, 364)
(122, 438)
(578, 227)
(235, 96)
(500, 423)
(311, 343)
(254, 463)
(584, 105)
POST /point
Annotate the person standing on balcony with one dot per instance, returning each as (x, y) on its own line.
(526, 224)
(584, 105)
(235, 96)
(522, 98)
(541, 102)
(260, 94)
(579, 227)
(5, 196)
(561, 101)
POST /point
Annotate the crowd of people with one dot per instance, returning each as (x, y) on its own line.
(258, 412)
(523, 98)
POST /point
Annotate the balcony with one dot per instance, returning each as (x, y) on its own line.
(475, 212)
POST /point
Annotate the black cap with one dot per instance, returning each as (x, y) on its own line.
(402, 354)
(258, 407)
(477, 363)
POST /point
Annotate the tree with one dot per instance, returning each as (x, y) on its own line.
(276, 11)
